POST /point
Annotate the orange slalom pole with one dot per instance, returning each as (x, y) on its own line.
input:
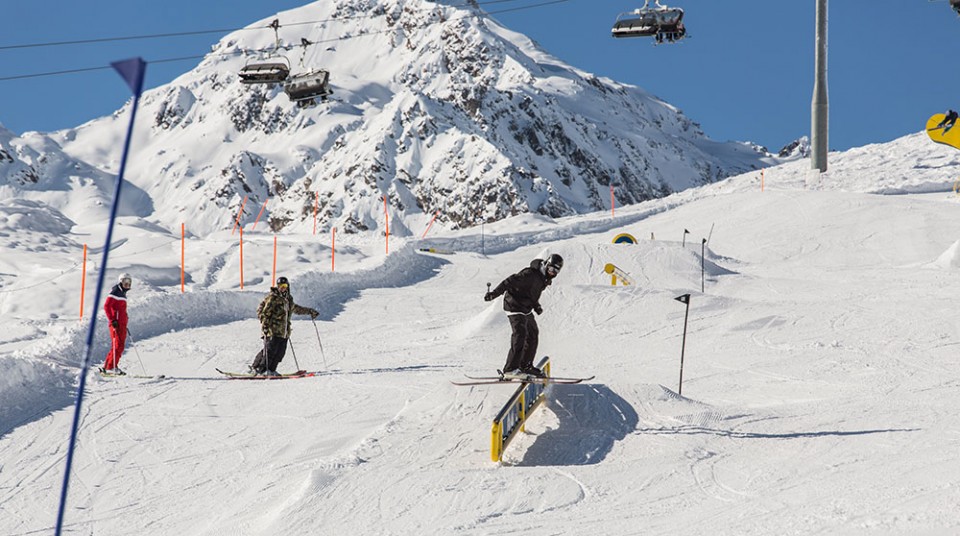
(241, 258)
(260, 214)
(435, 214)
(83, 280)
(239, 214)
(333, 250)
(386, 223)
(612, 201)
(273, 275)
(183, 256)
(316, 208)
(761, 179)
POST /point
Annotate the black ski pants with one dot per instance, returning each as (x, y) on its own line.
(276, 348)
(523, 341)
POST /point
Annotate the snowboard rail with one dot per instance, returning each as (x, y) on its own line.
(515, 412)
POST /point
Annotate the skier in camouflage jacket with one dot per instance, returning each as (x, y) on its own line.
(274, 313)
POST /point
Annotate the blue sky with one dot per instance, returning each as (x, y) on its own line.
(745, 73)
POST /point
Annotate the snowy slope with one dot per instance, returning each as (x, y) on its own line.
(436, 108)
(35, 168)
(819, 388)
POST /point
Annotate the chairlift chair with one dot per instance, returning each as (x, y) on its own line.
(273, 70)
(303, 88)
(635, 24)
(660, 22)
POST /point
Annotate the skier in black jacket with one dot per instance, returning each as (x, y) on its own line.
(521, 299)
(949, 120)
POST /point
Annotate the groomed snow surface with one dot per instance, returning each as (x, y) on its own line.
(820, 393)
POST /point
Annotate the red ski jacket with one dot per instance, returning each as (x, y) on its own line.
(116, 305)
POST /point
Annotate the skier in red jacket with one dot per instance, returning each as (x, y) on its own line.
(116, 309)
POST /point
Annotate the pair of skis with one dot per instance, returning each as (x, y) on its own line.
(248, 376)
(229, 375)
(494, 380)
(105, 374)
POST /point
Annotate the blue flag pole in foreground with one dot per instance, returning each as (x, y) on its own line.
(132, 71)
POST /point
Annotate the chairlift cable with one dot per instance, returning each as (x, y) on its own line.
(284, 47)
(124, 38)
(203, 32)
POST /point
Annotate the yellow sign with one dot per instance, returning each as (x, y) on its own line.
(616, 273)
(945, 134)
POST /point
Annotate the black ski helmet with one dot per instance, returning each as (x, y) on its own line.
(283, 281)
(553, 263)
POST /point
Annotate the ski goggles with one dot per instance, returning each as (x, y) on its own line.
(552, 270)
(283, 286)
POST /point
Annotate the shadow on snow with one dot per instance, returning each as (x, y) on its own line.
(592, 418)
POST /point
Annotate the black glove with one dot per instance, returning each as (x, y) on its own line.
(489, 297)
(115, 324)
(537, 309)
(314, 313)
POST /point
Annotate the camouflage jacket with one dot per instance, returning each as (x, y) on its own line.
(275, 311)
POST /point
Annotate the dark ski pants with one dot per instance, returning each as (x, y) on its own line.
(276, 348)
(523, 341)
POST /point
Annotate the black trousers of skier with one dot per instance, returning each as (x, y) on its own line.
(523, 342)
(276, 348)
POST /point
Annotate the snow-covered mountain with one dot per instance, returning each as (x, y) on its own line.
(437, 108)
(33, 167)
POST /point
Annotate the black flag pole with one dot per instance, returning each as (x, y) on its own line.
(685, 299)
(685, 233)
(703, 249)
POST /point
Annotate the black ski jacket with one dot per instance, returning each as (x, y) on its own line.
(522, 290)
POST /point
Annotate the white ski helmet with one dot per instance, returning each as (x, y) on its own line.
(125, 277)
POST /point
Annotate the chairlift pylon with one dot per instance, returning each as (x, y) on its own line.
(271, 70)
(662, 22)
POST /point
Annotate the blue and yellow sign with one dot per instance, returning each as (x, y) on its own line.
(624, 238)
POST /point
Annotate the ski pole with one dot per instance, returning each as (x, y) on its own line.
(266, 361)
(321, 343)
(294, 355)
(136, 352)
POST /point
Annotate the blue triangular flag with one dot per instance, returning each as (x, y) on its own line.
(132, 72)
